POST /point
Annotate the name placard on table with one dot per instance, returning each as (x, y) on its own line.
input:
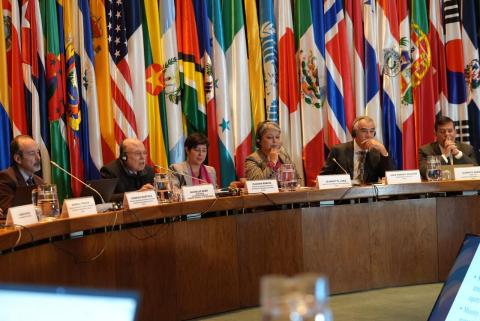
(132, 200)
(403, 177)
(22, 215)
(467, 173)
(262, 186)
(198, 192)
(334, 181)
(76, 207)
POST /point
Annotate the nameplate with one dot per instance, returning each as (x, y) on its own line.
(403, 177)
(22, 215)
(466, 173)
(198, 192)
(334, 181)
(262, 186)
(132, 200)
(77, 207)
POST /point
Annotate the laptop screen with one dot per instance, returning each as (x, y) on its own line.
(20, 303)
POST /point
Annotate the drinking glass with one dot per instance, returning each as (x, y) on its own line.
(162, 185)
(45, 200)
(301, 298)
(286, 177)
(434, 172)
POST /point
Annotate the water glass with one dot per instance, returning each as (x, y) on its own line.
(286, 177)
(434, 171)
(300, 298)
(45, 200)
(162, 185)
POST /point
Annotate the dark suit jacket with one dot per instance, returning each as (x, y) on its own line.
(10, 178)
(126, 182)
(375, 163)
(432, 149)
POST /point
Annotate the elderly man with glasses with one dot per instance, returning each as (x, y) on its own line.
(364, 158)
(130, 168)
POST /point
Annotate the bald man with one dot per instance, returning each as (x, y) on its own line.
(130, 168)
(25, 160)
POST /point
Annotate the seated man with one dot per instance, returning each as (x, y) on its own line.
(451, 152)
(25, 159)
(130, 168)
(364, 158)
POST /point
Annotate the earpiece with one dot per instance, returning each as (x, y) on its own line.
(123, 157)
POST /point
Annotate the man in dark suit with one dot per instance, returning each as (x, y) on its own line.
(25, 160)
(364, 158)
(130, 168)
(451, 152)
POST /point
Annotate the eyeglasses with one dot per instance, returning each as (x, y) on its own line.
(200, 150)
(31, 153)
(444, 131)
(138, 153)
(367, 131)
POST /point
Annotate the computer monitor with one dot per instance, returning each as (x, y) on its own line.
(26, 303)
(459, 298)
(105, 187)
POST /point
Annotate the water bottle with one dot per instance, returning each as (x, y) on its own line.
(300, 298)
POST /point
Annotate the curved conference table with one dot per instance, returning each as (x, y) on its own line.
(386, 235)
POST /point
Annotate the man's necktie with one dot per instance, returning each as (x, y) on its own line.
(30, 181)
(361, 166)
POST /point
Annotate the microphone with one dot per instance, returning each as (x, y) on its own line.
(183, 174)
(338, 164)
(78, 180)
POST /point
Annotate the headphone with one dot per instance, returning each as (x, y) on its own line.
(358, 119)
(123, 157)
(123, 154)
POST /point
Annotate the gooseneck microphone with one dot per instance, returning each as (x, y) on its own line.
(338, 164)
(183, 174)
(78, 180)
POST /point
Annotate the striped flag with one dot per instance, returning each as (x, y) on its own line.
(206, 54)
(239, 89)
(127, 70)
(171, 92)
(268, 37)
(5, 127)
(255, 69)
(73, 113)
(11, 16)
(155, 82)
(391, 67)
(457, 94)
(33, 57)
(193, 95)
(340, 102)
(55, 98)
(354, 23)
(407, 116)
(224, 112)
(312, 85)
(91, 135)
(372, 76)
(472, 69)
(103, 80)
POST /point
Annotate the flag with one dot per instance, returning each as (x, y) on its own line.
(391, 67)
(171, 104)
(407, 116)
(127, 70)
(268, 38)
(454, 57)
(472, 69)
(55, 98)
(193, 95)
(18, 114)
(5, 127)
(311, 66)
(255, 69)
(224, 112)
(155, 82)
(340, 103)
(206, 53)
(103, 80)
(33, 58)
(372, 77)
(91, 134)
(236, 55)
